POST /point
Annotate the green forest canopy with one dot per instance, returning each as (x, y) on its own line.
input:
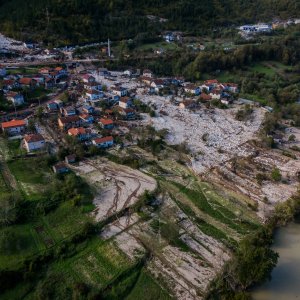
(73, 21)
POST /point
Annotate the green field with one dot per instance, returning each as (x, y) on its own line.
(147, 288)
(159, 45)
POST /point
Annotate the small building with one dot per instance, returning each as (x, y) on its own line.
(26, 82)
(94, 95)
(125, 102)
(103, 142)
(192, 89)
(86, 118)
(92, 86)
(106, 123)
(157, 85)
(87, 78)
(216, 94)
(148, 73)
(205, 97)
(52, 106)
(49, 83)
(187, 104)
(70, 159)
(14, 127)
(2, 71)
(60, 168)
(88, 109)
(68, 111)
(34, 142)
(80, 133)
(120, 91)
(65, 123)
(16, 98)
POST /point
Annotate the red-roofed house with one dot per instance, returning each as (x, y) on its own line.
(34, 142)
(106, 123)
(103, 142)
(87, 78)
(14, 127)
(27, 82)
(80, 133)
(205, 97)
(69, 122)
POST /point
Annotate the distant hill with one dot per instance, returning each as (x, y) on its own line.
(73, 21)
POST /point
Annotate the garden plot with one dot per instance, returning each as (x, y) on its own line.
(116, 187)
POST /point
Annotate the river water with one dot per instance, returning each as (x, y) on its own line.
(285, 282)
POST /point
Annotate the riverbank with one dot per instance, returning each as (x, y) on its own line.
(285, 276)
(254, 259)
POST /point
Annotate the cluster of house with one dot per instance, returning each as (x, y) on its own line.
(14, 85)
(208, 90)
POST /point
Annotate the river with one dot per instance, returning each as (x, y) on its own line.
(285, 282)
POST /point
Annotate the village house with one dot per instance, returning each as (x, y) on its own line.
(92, 86)
(205, 97)
(125, 102)
(9, 84)
(156, 85)
(192, 89)
(65, 123)
(231, 87)
(60, 168)
(80, 133)
(106, 123)
(216, 94)
(68, 111)
(2, 71)
(49, 83)
(87, 78)
(61, 72)
(70, 159)
(148, 73)
(103, 72)
(14, 127)
(103, 142)
(88, 109)
(146, 80)
(52, 106)
(209, 85)
(33, 142)
(127, 113)
(86, 118)
(26, 82)
(93, 95)
(187, 104)
(16, 98)
(119, 91)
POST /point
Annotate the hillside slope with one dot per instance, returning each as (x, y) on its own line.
(75, 21)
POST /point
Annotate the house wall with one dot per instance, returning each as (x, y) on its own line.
(34, 145)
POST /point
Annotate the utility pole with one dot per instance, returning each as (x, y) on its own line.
(108, 47)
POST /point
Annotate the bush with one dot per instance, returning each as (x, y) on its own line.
(276, 175)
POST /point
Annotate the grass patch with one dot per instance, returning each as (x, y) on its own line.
(147, 288)
(30, 171)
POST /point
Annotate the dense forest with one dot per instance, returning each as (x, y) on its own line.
(79, 21)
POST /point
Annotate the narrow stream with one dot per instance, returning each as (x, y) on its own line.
(285, 282)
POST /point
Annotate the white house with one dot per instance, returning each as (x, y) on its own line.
(34, 142)
(92, 86)
(94, 95)
(103, 142)
(125, 102)
(157, 85)
(2, 71)
(16, 98)
(120, 91)
(14, 127)
(216, 94)
(88, 78)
